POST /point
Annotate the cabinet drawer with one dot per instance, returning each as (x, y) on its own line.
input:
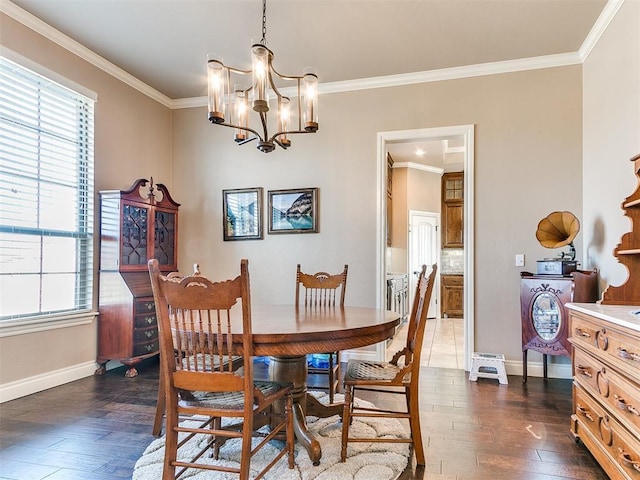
(145, 306)
(452, 280)
(145, 320)
(607, 434)
(618, 393)
(145, 348)
(145, 334)
(611, 345)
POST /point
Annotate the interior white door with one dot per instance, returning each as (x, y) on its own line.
(424, 248)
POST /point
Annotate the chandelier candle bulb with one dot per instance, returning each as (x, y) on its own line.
(240, 112)
(310, 81)
(215, 74)
(284, 113)
(261, 58)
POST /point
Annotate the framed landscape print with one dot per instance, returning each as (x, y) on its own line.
(293, 211)
(242, 214)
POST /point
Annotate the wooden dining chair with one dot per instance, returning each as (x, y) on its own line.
(380, 376)
(322, 290)
(204, 322)
(161, 404)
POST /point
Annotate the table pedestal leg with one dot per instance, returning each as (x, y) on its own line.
(294, 369)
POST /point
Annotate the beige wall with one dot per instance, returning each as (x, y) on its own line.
(528, 162)
(132, 140)
(611, 110)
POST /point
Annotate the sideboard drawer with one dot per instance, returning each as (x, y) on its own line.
(613, 345)
(585, 332)
(611, 437)
(609, 388)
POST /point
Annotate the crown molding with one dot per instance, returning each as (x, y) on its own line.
(47, 31)
(493, 68)
(419, 166)
(608, 12)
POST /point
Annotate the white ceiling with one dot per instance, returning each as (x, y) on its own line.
(164, 43)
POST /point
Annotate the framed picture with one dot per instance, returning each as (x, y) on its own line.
(293, 211)
(242, 214)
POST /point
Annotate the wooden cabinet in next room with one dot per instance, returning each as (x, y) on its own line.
(135, 225)
(453, 210)
(452, 295)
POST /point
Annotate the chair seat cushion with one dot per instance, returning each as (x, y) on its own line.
(371, 371)
(228, 400)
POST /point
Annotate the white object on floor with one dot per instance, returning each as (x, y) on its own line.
(488, 365)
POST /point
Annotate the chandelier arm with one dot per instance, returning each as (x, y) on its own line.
(237, 70)
(277, 134)
(246, 129)
(282, 145)
(263, 120)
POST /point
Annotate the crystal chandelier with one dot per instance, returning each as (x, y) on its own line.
(233, 99)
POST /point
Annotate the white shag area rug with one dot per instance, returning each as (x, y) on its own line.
(365, 461)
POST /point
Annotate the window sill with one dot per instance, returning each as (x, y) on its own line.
(9, 328)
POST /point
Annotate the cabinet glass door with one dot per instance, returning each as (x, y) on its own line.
(546, 315)
(164, 231)
(134, 235)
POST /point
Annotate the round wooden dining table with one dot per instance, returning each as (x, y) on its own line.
(287, 333)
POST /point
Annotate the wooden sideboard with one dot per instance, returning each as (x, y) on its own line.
(606, 385)
(606, 360)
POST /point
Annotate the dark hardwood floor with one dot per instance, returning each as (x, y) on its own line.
(96, 428)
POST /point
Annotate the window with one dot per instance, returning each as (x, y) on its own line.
(46, 196)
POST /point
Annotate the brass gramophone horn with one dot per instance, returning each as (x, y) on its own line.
(557, 230)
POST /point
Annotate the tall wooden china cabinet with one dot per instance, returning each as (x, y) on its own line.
(135, 225)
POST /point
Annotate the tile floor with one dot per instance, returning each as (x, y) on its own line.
(443, 343)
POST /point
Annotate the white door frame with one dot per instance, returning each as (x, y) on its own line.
(437, 133)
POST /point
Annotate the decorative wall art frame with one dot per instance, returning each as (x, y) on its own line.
(242, 214)
(293, 211)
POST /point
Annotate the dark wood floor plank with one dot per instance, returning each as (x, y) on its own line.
(96, 428)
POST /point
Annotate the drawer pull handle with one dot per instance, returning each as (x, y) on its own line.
(623, 353)
(602, 340)
(582, 333)
(625, 459)
(603, 382)
(585, 371)
(583, 411)
(622, 404)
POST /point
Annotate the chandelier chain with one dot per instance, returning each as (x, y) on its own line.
(264, 23)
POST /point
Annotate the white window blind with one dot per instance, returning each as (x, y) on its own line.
(46, 196)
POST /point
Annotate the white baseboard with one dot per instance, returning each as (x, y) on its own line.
(535, 369)
(38, 383)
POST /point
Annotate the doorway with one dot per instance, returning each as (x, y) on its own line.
(466, 133)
